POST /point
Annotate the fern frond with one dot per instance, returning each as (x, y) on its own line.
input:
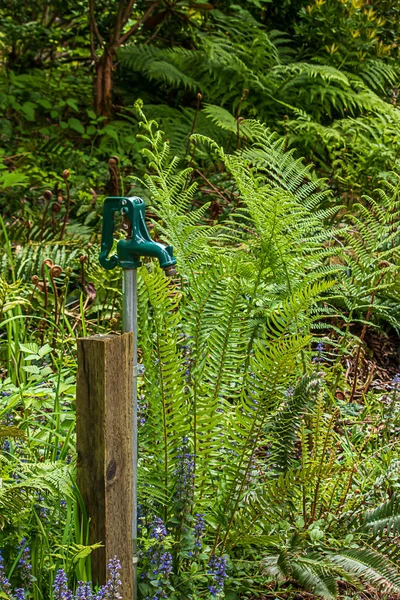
(385, 517)
(370, 566)
(284, 428)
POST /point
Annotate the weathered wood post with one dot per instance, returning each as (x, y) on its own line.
(105, 451)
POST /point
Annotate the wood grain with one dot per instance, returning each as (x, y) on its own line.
(104, 446)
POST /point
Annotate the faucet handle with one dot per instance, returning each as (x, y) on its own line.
(111, 206)
(140, 244)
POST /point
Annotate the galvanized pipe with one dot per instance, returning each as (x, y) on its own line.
(129, 324)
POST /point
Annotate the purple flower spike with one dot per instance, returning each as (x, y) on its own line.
(319, 351)
(184, 473)
(111, 591)
(83, 591)
(165, 566)
(24, 562)
(157, 529)
(61, 590)
(217, 570)
(4, 583)
(199, 529)
(213, 590)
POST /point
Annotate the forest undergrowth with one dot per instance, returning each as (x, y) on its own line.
(264, 141)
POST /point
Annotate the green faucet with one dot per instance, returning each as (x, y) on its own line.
(129, 251)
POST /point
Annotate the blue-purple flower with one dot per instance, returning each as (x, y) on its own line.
(24, 562)
(217, 570)
(83, 591)
(61, 590)
(111, 590)
(199, 529)
(396, 378)
(157, 561)
(158, 530)
(164, 567)
(5, 585)
(319, 350)
(6, 446)
(43, 510)
(142, 410)
(184, 472)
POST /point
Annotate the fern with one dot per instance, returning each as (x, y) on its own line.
(318, 572)
(383, 519)
(164, 372)
(28, 259)
(284, 430)
(178, 221)
(53, 478)
(319, 108)
(371, 256)
(226, 385)
(369, 566)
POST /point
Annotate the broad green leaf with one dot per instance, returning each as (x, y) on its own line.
(44, 103)
(29, 347)
(71, 102)
(111, 132)
(46, 349)
(76, 125)
(33, 369)
(9, 179)
(85, 551)
(32, 357)
(29, 110)
(91, 129)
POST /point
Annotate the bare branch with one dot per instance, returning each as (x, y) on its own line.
(118, 21)
(92, 44)
(128, 12)
(139, 23)
(94, 30)
(155, 33)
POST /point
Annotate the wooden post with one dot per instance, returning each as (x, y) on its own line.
(104, 445)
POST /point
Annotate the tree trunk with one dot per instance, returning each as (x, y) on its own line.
(103, 83)
(105, 64)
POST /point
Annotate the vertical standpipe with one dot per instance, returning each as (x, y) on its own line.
(129, 324)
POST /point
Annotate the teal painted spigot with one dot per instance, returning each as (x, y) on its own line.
(130, 251)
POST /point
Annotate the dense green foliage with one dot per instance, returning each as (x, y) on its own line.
(266, 145)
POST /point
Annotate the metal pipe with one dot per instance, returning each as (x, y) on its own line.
(129, 324)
